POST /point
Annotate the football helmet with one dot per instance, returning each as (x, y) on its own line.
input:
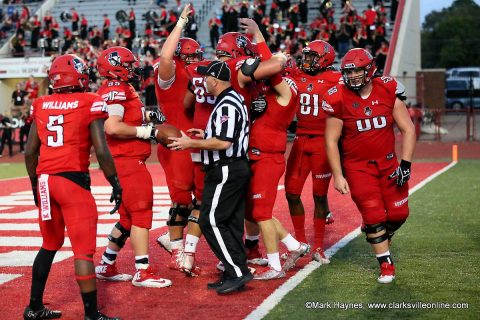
(68, 73)
(234, 45)
(118, 63)
(189, 51)
(358, 67)
(317, 56)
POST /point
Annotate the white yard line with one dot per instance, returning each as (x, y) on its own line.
(274, 299)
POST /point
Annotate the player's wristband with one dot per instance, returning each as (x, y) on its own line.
(146, 132)
(405, 164)
(181, 22)
(264, 51)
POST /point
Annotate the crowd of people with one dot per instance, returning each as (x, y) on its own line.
(223, 168)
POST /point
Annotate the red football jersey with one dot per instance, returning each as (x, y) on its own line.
(63, 128)
(311, 89)
(367, 123)
(170, 100)
(248, 91)
(117, 92)
(204, 101)
(269, 131)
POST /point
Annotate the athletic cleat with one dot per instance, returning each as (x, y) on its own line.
(176, 260)
(109, 272)
(100, 316)
(41, 314)
(187, 265)
(387, 273)
(294, 255)
(164, 242)
(329, 219)
(270, 274)
(255, 257)
(146, 278)
(319, 255)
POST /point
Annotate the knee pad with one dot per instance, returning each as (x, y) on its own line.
(373, 229)
(183, 212)
(293, 198)
(120, 241)
(393, 226)
(193, 219)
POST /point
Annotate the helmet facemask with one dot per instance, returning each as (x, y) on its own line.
(310, 62)
(356, 78)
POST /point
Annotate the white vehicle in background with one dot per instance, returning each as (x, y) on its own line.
(465, 74)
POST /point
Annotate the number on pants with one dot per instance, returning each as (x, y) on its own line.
(55, 125)
(307, 106)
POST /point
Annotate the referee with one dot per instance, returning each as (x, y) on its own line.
(224, 146)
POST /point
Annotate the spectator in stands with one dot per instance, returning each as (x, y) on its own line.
(131, 21)
(17, 45)
(343, 40)
(244, 6)
(303, 10)
(393, 9)
(83, 27)
(35, 26)
(214, 24)
(75, 20)
(68, 39)
(381, 56)
(106, 27)
(6, 125)
(370, 15)
(47, 20)
(32, 88)
(18, 100)
(191, 28)
(284, 5)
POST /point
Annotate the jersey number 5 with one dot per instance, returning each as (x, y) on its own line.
(55, 125)
(309, 104)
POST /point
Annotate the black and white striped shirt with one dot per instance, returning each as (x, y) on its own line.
(229, 122)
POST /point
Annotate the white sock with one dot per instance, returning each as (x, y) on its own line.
(191, 242)
(252, 238)
(177, 244)
(274, 261)
(140, 262)
(291, 243)
(386, 253)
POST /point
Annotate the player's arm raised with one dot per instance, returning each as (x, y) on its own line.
(166, 67)
(32, 152)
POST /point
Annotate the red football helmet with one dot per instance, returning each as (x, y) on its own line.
(189, 51)
(68, 73)
(317, 56)
(358, 68)
(234, 45)
(118, 63)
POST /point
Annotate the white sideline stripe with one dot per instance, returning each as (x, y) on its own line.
(102, 228)
(274, 299)
(31, 214)
(5, 208)
(26, 258)
(5, 277)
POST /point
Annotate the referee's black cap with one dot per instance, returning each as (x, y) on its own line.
(217, 69)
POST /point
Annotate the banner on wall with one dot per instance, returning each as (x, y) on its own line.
(24, 67)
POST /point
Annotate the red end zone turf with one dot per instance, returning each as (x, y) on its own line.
(188, 298)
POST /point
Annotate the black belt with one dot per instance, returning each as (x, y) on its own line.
(221, 162)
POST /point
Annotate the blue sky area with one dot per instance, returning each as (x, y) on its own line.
(427, 6)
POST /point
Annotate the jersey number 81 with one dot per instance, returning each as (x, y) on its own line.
(309, 104)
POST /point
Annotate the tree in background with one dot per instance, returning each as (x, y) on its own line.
(450, 38)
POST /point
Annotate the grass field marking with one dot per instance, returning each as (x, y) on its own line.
(16, 178)
(274, 299)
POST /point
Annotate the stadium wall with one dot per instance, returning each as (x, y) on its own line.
(405, 50)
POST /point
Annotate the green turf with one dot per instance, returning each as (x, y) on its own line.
(12, 170)
(437, 256)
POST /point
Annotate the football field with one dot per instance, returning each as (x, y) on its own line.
(436, 255)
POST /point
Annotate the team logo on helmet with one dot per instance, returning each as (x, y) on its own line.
(350, 65)
(368, 111)
(179, 47)
(78, 65)
(114, 59)
(241, 41)
(326, 48)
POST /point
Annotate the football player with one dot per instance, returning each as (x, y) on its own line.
(363, 112)
(313, 78)
(267, 146)
(66, 125)
(129, 137)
